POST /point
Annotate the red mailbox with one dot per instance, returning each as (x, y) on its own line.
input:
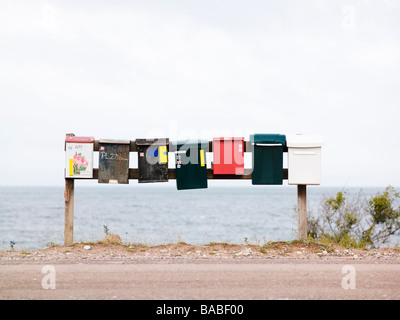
(228, 155)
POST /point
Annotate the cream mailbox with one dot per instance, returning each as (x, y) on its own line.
(304, 159)
(79, 157)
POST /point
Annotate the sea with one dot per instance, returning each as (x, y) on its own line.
(157, 213)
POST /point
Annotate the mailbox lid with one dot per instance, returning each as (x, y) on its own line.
(304, 141)
(228, 138)
(181, 145)
(152, 141)
(269, 138)
(114, 141)
(79, 139)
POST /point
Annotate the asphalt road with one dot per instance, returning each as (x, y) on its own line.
(208, 281)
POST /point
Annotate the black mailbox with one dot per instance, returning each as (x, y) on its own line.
(152, 160)
(114, 161)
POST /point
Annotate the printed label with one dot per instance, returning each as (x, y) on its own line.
(202, 162)
(163, 154)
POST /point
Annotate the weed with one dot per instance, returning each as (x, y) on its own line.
(106, 230)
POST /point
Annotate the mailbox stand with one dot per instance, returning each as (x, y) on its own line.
(69, 208)
(302, 211)
(134, 174)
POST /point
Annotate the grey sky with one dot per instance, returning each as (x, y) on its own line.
(140, 69)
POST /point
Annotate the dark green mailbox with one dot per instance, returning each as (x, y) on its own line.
(114, 161)
(190, 164)
(267, 158)
(152, 160)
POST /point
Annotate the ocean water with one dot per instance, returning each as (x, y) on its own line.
(33, 217)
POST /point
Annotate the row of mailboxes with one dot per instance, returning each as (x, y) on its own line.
(304, 159)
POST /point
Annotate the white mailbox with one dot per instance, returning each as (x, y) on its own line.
(79, 157)
(304, 159)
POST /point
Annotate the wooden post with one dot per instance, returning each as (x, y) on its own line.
(69, 209)
(69, 212)
(302, 211)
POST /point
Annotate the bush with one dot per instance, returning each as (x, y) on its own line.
(357, 222)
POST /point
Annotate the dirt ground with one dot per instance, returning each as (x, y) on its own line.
(213, 252)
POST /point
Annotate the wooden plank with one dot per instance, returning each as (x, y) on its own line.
(133, 148)
(302, 211)
(134, 174)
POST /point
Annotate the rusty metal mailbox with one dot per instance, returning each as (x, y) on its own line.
(152, 160)
(114, 161)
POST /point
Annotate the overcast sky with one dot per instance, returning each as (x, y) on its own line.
(185, 69)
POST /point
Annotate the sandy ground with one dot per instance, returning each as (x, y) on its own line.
(182, 252)
(215, 271)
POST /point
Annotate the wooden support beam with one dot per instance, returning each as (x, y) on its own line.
(69, 208)
(134, 174)
(132, 148)
(302, 211)
(69, 212)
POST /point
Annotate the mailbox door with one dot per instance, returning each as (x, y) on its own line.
(304, 159)
(114, 162)
(191, 168)
(267, 165)
(79, 157)
(304, 166)
(268, 158)
(152, 163)
(228, 155)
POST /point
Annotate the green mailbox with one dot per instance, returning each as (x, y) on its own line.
(190, 164)
(267, 158)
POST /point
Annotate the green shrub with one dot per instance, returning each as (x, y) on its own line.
(357, 222)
